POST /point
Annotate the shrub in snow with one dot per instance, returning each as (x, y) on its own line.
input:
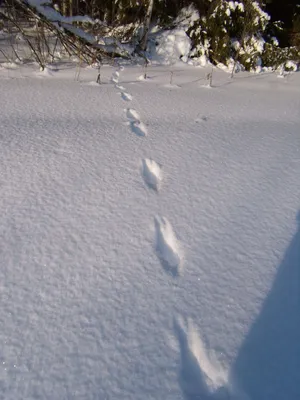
(291, 66)
(234, 33)
(295, 34)
(287, 58)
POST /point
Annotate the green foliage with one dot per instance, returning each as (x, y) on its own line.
(276, 56)
(239, 32)
(287, 12)
(295, 32)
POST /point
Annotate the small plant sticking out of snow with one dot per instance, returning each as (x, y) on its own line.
(146, 68)
(281, 72)
(209, 78)
(171, 77)
(99, 73)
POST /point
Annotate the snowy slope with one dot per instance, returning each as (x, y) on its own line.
(150, 247)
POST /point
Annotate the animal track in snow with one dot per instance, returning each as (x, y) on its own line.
(142, 77)
(132, 115)
(139, 128)
(167, 246)
(201, 376)
(120, 87)
(126, 96)
(171, 86)
(152, 173)
(115, 77)
(201, 119)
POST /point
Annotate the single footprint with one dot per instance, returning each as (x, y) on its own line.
(200, 376)
(142, 77)
(132, 115)
(126, 96)
(201, 119)
(151, 173)
(139, 128)
(115, 77)
(167, 246)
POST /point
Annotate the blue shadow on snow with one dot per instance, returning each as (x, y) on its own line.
(268, 363)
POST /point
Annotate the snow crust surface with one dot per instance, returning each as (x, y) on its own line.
(90, 305)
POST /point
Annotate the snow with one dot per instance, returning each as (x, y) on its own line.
(291, 65)
(158, 266)
(51, 12)
(79, 18)
(241, 7)
(187, 16)
(232, 64)
(274, 41)
(80, 33)
(263, 15)
(258, 44)
(167, 246)
(47, 9)
(152, 173)
(172, 45)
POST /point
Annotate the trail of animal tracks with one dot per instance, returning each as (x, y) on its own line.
(149, 240)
